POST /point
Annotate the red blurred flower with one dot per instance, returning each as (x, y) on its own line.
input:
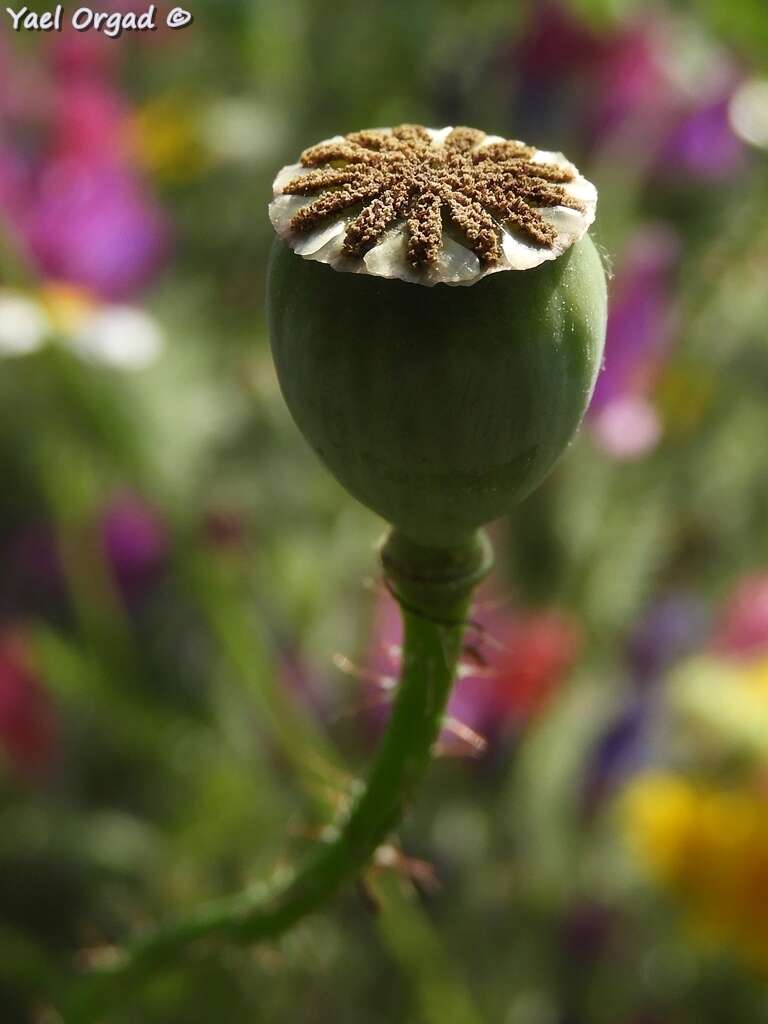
(741, 629)
(537, 649)
(514, 662)
(28, 727)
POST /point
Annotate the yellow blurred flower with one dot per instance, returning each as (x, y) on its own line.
(166, 136)
(719, 711)
(684, 396)
(755, 676)
(67, 305)
(708, 845)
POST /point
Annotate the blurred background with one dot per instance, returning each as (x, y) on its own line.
(196, 651)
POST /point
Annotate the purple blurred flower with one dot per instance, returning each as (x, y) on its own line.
(93, 225)
(14, 186)
(671, 629)
(620, 751)
(639, 320)
(135, 543)
(703, 145)
(74, 198)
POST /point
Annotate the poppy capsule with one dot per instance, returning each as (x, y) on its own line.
(437, 317)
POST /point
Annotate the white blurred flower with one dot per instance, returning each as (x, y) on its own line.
(748, 112)
(23, 324)
(122, 337)
(242, 130)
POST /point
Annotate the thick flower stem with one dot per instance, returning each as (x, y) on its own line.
(433, 588)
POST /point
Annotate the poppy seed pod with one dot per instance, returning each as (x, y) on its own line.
(437, 317)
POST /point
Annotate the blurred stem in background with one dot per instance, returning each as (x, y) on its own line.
(433, 638)
(113, 674)
(408, 934)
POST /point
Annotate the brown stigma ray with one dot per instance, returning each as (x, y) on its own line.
(385, 177)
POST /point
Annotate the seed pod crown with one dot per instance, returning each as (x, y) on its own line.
(430, 206)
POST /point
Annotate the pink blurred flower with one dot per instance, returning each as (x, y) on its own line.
(741, 628)
(28, 727)
(626, 85)
(74, 54)
(89, 122)
(629, 81)
(627, 428)
(604, 78)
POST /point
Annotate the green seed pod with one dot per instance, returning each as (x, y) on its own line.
(438, 390)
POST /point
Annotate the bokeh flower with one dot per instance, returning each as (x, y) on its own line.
(121, 337)
(28, 728)
(575, 76)
(708, 845)
(23, 324)
(671, 629)
(702, 145)
(94, 225)
(641, 86)
(514, 663)
(74, 200)
(627, 427)
(741, 628)
(135, 544)
(130, 536)
(641, 322)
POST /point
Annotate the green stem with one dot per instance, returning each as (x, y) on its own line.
(434, 590)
